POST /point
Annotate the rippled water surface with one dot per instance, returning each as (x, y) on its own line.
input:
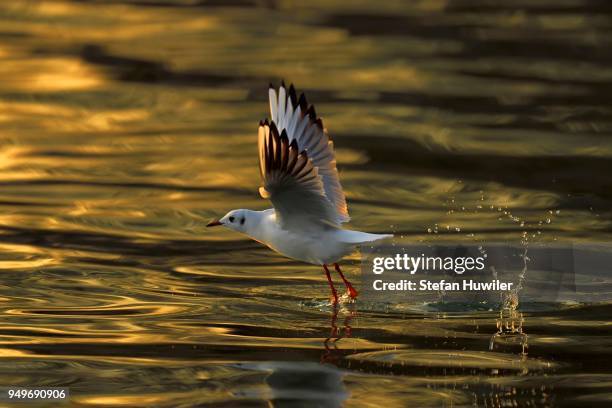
(127, 125)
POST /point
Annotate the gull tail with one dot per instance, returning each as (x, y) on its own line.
(358, 237)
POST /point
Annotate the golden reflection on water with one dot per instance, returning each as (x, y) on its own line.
(127, 126)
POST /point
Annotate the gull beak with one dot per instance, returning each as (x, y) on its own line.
(214, 223)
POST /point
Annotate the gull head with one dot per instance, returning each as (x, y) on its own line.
(237, 220)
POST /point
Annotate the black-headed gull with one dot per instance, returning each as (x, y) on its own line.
(298, 168)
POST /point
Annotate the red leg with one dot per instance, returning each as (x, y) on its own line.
(351, 290)
(331, 285)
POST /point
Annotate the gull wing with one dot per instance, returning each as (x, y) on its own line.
(300, 121)
(291, 181)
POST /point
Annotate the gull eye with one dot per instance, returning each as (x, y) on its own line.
(242, 221)
(231, 219)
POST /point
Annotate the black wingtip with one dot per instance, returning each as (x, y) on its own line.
(294, 145)
(283, 83)
(283, 136)
(273, 129)
(302, 102)
(270, 86)
(312, 113)
(292, 96)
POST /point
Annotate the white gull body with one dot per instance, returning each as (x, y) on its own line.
(318, 245)
(297, 163)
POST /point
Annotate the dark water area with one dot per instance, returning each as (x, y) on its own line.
(127, 125)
